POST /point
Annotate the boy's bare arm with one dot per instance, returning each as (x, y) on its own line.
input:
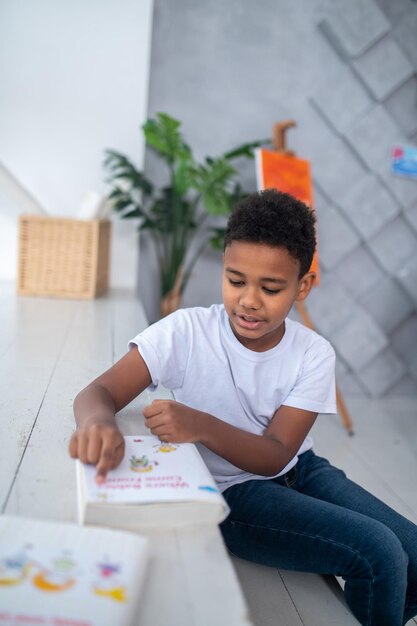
(265, 454)
(98, 440)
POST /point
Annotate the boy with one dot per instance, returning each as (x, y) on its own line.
(248, 384)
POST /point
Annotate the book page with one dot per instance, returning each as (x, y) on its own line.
(152, 471)
(61, 574)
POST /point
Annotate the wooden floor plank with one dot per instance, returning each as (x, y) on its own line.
(91, 334)
(84, 353)
(8, 317)
(129, 319)
(192, 590)
(316, 601)
(26, 371)
(266, 595)
(382, 455)
(165, 577)
(206, 565)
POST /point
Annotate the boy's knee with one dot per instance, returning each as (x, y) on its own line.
(382, 553)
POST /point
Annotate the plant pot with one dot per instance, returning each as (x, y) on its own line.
(170, 303)
(172, 300)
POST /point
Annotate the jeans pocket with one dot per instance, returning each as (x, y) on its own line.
(291, 477)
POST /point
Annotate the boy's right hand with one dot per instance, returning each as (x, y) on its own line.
(102, 445)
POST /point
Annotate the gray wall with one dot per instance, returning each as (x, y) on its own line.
(346, 72)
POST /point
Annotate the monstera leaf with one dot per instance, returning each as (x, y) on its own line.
(163, 135)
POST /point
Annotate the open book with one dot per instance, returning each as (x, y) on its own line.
(56, 574)
(157, 485)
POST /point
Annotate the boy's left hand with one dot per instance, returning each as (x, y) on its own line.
(172, 421)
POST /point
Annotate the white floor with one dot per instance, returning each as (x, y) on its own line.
(50, 349)
(382, 457)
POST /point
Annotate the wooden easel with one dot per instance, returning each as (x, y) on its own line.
(280, 145)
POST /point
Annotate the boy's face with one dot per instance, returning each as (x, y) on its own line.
(260, 285)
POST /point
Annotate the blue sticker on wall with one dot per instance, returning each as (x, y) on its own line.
(404, 161)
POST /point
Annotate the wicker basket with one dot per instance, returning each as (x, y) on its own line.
(63, 257)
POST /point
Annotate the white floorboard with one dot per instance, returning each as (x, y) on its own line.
(382, 455)
(267, 595)
(49, 350)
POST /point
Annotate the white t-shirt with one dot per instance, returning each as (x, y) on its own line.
(194, 353)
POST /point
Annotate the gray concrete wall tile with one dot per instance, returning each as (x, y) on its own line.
(413, 370)
(405, 34)
(359, 272)
(382, 373)
(404, 340)
(394, 10)
(406, 386)
(368, 205)
(383, 68)
(387, 304)
(330, 307)
(407, 276)
(341, 129)
(373, 135)
(394, 245)
(402, 106)
(352, 31)
(336, 167)
(315, 130)
(341, 101)
(359, 340)
(411, 217)
(403, 189)
(341, 368)
(350, 385)
(336, 238)
(320, 197)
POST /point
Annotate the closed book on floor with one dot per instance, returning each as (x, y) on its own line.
(58, 574)
(157, 485)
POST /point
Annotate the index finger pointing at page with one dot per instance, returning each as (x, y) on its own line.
(103, 465)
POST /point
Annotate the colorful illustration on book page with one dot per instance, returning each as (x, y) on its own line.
(161, 446)
(49, 575)
(209, 488)
(165, 447)
(141, 464)
(58, 575)
(108, 582)
(54, 574)
(14, 569)
(58, 572)
(153, 471)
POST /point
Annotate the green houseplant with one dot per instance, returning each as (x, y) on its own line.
(179, 211)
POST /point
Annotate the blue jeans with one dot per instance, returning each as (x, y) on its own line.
(314, 519)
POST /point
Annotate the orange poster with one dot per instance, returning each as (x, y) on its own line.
(289, 174)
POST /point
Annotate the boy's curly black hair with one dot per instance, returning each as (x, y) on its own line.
(276, 219)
